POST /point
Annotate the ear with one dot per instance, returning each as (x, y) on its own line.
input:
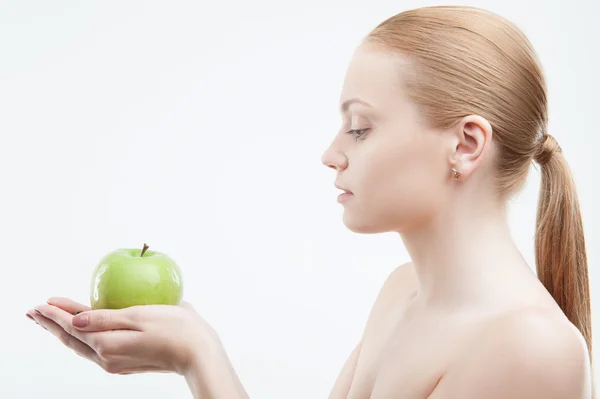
(473, 134)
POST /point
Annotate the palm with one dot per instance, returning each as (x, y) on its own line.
(133, 340)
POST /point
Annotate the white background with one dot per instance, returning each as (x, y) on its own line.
(198, 128)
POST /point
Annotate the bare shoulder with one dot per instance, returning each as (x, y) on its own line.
(527, 353)
(399, 282)
(397, 289)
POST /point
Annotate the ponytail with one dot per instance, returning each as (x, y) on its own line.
(473, 61)
(559, 241)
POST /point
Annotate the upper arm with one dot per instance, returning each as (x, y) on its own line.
(524, 357)
(344, 380)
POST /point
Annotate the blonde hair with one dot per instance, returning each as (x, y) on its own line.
(471, 61)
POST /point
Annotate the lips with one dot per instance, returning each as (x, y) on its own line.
(345, 195)
(344, 190)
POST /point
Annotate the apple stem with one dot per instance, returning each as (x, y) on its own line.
(144, 250)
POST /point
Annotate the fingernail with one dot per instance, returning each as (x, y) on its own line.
(29, 316)
(81, 321)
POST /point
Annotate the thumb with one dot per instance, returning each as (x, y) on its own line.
(105, 319)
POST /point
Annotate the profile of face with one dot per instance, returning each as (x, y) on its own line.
(394, 167)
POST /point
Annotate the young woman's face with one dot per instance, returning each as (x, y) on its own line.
(396, 168)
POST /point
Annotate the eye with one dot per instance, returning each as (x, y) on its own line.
(358, 132)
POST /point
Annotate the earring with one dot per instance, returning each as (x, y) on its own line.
(456, 173)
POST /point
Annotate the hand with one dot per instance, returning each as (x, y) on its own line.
(153, 338)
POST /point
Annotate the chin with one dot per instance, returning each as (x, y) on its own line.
(364, 225)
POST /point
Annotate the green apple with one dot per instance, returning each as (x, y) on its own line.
(128, 277)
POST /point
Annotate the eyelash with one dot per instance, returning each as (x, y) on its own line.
(358, 133)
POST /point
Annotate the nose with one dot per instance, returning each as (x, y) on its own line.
(334, 159)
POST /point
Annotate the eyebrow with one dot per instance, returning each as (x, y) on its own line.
(351, 101)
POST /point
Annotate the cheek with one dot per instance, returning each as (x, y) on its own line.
(405, 169)
(401, 185)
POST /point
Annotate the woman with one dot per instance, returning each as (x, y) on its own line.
(444, 109)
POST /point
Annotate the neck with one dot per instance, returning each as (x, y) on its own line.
(466, 256)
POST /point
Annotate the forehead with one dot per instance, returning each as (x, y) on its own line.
(375, 76)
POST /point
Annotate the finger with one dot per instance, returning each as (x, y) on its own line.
(107, 319)
(65, 321)
(68, 340)
(31, 315)
(68, 305)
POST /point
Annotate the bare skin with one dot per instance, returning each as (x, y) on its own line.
(466, 319)
(408, 352)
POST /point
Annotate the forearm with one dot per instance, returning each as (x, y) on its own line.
(212, 376)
